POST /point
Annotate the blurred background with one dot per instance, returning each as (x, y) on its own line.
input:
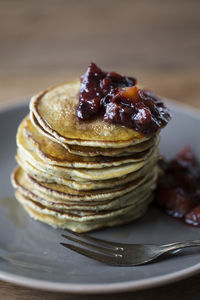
(44, 42)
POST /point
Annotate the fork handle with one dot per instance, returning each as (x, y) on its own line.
(180, 245)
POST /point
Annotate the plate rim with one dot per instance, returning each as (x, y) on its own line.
(99, 288)
(96, 288)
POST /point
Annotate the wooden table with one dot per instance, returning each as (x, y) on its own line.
(47, 42)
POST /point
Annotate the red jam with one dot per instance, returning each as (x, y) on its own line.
(120, 101)
(178, 190)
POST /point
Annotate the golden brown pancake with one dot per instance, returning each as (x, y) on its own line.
(55, 111)
(96, 151)
(84, 173)
(81, 223)
(77, 184)
(63, 192)
(30, 140)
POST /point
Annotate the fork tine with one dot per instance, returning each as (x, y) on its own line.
(95, 240)
(91, 254)
(91, 246)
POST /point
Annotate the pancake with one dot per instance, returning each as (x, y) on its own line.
(63, 192)
(41, 148)
(131, 198)
(81, 224)
(55, 111)
(83, 185)
(96, 151)
(136, 196)
(86, 174)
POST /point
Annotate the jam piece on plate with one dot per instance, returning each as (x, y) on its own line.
(178, 190)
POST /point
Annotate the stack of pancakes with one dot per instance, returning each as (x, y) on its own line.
(81, 175)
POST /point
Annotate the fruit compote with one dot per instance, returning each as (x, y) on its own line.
(118, 100)
(178, 190)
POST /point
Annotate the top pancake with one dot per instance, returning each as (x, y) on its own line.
(55, 111)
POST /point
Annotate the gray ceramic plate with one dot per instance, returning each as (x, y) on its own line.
(30, 251)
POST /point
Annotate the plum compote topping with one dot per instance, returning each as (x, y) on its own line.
(118, 100)
(178, 189)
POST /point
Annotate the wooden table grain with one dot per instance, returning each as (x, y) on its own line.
(44, 42)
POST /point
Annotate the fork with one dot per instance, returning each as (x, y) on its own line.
(121, 254)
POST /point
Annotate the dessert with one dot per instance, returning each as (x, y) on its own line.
(88, 151)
